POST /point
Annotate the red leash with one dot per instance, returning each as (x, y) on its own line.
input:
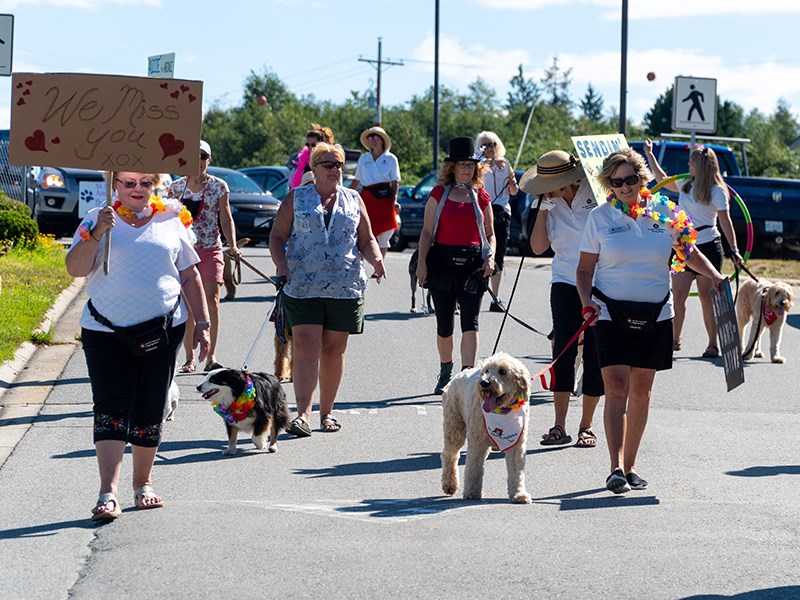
(587, 310)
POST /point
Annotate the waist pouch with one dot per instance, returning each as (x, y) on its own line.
(380, 190)
(635, 317)
(461, 258)
(141, 339)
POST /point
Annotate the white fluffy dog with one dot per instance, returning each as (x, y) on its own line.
(766, 304)
(487, 406)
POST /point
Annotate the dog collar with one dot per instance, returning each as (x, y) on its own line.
(521, 401)
(241, 408)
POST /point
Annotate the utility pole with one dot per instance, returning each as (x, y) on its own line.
(623, 77)
(380, 62)
(436, 90)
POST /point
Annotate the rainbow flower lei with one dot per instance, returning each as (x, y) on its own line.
(239, 410)
(680, 221)
(85, 230)
(504, 410)
(155, 206)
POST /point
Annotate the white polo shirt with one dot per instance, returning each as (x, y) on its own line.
(704, 214)
(633, 257)
(565, 226)
(370, 171)
(494, 182)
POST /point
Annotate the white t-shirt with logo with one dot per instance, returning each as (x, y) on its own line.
(633, 257)
(370, 171)
(704, 214)
(565, 226)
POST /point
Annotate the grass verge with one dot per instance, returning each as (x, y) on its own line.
(32, 280)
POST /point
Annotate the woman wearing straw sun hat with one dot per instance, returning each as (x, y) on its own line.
(565, 201)
(378, 172)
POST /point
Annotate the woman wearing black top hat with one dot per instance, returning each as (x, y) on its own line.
(456, 252)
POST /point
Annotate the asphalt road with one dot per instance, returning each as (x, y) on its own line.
(360, 513)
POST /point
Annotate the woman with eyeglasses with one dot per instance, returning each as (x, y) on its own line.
(456, 253)
(625, 255)
(151, 267)
(207, 198)
(379, 175)
(500, 183)
(302, 164)
(319, 240)
(705, 199)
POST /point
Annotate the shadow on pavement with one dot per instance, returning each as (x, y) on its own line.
(414, 507)
(788, 591)
(40, 418)
(44, 530)
(37, 383)
(764, 471)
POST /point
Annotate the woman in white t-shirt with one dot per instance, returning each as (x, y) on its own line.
(625, 254)
(152, 266)
(705, 199)
(565, 201)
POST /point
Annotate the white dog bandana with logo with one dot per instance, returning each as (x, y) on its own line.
(505, 430)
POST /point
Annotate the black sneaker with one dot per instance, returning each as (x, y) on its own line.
(617, 483)
(636, 482)
(497, 307)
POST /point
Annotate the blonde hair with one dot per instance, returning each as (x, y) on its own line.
(447, 174)
(323, 147)
(491, 136)
(706, 175)
(323, 134)
(616, 159)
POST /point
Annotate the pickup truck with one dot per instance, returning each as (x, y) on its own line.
(773, 204)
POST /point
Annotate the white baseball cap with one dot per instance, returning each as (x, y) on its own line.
(205, 147)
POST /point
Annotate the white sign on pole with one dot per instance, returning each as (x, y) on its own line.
(161, 65)
(6, 43)
(694, 104)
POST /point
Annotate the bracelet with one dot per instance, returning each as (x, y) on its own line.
(196, 323)
(91, 235)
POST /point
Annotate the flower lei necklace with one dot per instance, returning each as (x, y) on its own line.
(155, 206)
(504, 410)
(679, 221)
(239, 410)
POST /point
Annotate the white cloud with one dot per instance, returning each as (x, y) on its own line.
(80, 4)
(650, 9)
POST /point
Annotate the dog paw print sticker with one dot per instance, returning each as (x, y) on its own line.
(87, 196)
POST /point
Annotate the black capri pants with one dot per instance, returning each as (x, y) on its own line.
(502, 220)
(128, 392)
(566, 306)
(444, 305)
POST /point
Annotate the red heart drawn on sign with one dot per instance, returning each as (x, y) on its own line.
(184, 88)
(19, 85)
(164, 85)
(21, 101)
(35, 142)
(170, 145)
(181, 162)
(192, 98)
(55, 140)
(175, 94)
(26, 93)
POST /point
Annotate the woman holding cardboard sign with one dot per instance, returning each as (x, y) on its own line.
(133, 324)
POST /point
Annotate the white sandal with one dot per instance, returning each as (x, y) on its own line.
(140, 494)
(103, 516)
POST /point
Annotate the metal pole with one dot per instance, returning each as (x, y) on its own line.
(436, 91)
(623, 77)
(378, 93)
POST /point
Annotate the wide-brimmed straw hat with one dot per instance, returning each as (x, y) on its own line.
(552, 171)
(387, 143)
(462, 148)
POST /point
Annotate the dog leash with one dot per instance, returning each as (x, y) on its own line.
(241, 259)
(512, 317)
(590, 315)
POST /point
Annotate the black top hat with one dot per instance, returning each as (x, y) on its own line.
(462, 148)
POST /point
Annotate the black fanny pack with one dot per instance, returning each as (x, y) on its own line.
(380, 190)
(455, 257)
(636, 317)
(141, 339)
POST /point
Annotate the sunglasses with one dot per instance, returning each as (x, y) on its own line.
(145, 183)
(373, 136)
(630, 180)
(489, 145)
(310, 146)
(204, 156)
(330, 164)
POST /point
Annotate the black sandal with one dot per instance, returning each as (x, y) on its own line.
(556, 437)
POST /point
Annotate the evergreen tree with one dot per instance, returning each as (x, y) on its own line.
(524, 92)
(556, 85)
(592, 104)
(658, 119)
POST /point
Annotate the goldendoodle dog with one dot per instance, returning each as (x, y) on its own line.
(487, 406)
(766, 304)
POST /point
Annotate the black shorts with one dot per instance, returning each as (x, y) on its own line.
(129, 393)
(713, 252)
(502, 220)
(652, 350)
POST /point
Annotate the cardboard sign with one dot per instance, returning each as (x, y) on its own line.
(728, 334)
(106, 122)
(592, 151)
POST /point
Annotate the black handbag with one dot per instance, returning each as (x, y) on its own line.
(380, 190)
(635, 317)
(141, 339)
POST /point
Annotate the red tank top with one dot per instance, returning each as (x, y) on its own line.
(457, 223)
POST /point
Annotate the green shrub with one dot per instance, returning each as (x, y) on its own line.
(7, 203)
(18, 229)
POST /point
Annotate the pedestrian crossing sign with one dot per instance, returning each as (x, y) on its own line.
(694, 104)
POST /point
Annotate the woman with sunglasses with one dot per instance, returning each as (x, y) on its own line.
(302, 164)
(705, 199)
(625, 255)
(456, 253)
(151, 266)
(207, 198)
(319, 240)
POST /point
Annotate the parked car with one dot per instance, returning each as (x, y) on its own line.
(52, 195)
(412, 214)
(252, 208)
(266, 176)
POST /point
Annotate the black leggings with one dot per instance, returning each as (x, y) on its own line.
(444, 304)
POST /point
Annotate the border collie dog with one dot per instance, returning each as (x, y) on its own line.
(250, 402)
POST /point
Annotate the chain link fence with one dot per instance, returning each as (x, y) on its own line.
(12, 178)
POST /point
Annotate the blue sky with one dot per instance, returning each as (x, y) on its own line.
(313, 45)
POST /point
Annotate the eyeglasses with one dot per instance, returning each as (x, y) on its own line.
(372, 136)
(330, 164)
(465, 164)
(145, 183)
(629, 180)
(489, 145)
(204, 156)
(311, 146)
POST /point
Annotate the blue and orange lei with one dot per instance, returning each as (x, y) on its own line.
(239, 410)
(679, 221)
